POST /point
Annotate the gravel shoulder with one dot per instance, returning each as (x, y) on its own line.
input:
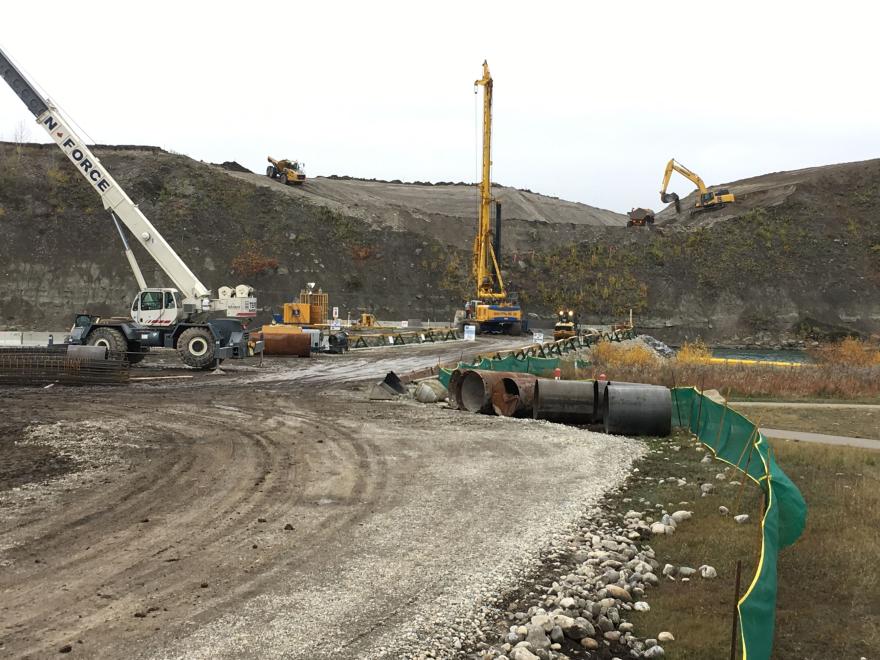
(250, 517)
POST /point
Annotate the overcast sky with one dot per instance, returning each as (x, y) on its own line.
(591, 99)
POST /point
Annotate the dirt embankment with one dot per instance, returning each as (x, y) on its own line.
(797, 254)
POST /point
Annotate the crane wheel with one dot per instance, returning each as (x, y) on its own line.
(110, 338)
(195, 347)
(284, 179)
(515, 329)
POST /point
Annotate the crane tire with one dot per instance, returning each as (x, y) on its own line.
(195, 346)
(284, 179)
(515, 329)
(110, 338)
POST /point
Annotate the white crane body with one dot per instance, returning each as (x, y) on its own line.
(166, 317)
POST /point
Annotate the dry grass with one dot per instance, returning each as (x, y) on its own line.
(630, 355)
(848, 352)
(829, 582)
(836, 378)
(844, 421)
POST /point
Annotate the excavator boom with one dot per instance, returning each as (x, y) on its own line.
(706, 199)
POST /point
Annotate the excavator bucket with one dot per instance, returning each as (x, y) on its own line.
(668, 198)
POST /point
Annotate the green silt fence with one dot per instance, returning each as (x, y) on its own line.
(736, 441)
(530, 365)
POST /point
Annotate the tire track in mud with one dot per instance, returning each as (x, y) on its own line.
(261, 467)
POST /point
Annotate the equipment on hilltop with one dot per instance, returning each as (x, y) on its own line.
(707, 199)
(566, 325)
(286, 171)
(640, 218)
(493, 309)
(160, 317)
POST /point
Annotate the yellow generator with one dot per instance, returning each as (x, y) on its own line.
(310, 310)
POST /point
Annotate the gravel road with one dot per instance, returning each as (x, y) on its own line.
(273, 512)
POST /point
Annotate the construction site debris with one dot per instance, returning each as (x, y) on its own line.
(64, 365)
(388, 388)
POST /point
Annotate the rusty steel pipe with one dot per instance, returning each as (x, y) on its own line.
(513, 396)
(475, 394)
(297, 344)
(454, 388)
(633, 409)
(564, 401)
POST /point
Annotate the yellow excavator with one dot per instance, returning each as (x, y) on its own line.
(707, 199)
(493, 309)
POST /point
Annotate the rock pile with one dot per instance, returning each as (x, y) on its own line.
(587, 609)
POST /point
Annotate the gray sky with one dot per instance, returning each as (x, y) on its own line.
(590, 101)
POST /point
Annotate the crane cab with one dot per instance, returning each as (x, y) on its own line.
(158, 308)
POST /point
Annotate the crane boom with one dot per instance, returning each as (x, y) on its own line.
(112, 195)
(487, 273)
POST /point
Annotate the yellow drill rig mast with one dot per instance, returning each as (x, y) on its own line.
(491, 310)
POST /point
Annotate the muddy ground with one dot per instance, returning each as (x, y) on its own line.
(272, 511)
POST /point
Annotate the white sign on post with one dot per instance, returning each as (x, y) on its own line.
(335, 312)
(470, 333)
(335, 325)
(538, 337)
(404, 324)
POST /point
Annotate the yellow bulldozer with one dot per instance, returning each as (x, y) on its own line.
(286, 171)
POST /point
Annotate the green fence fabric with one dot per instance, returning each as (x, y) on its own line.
(528, 365)
(735, 440)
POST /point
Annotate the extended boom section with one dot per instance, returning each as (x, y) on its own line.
(160, 317)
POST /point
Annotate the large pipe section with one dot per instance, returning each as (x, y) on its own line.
(633, 409)
(564, 401)
(513, 396)
(599, 388)
(475, 394)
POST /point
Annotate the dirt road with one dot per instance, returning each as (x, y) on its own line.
(272, 512)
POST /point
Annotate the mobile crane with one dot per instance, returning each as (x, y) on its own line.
(707, 199)
(493, 309)
(178, 318)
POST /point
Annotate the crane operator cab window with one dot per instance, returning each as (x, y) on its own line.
(171, 300)
(151, 301)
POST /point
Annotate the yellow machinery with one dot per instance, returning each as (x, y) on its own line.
(708, 199)
(566, 325)
(286, 171)
(491, 310)
(310, 310)
(367, 321)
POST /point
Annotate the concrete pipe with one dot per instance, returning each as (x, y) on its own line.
(565, 401)
(513, 396)
(637, 409)
(599, 387)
